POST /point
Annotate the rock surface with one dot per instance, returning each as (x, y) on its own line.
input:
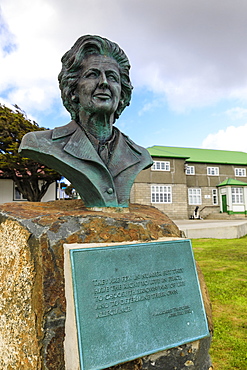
(32, 305)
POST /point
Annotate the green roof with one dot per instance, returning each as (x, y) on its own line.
(199, 155)
(232, 182)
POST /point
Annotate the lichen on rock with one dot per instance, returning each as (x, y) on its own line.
(18, 347)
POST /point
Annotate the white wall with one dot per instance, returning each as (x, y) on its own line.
(7, 191)
(51, 193)
(238, 208)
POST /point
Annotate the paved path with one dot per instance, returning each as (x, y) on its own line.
(219, 229)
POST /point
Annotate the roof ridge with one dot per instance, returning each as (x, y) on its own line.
(190, 148)
(200, 155)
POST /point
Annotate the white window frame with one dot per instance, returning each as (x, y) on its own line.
(240, 172)
(195, 196)
(161, 193)
(161, 166)
(214, 197)
(190, 170)
(17, 196)
(213, 171)
(237, 195)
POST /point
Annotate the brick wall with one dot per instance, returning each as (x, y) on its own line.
(207, 206)
(141, 193)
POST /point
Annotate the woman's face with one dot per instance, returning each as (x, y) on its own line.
(99, 88)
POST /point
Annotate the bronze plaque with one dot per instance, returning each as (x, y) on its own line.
(136, 299)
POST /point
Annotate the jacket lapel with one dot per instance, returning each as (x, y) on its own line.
(123, 156)
(78, 145)
(125, 153)
(63, 131)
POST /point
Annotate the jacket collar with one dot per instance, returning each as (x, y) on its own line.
(63, 131)
(125, 153)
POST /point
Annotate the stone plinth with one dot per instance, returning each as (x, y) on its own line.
(32, 305)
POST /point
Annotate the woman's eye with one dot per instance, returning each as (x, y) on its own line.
(91, 74)
(112, 77)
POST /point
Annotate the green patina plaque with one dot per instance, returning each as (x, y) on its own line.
(136, 299)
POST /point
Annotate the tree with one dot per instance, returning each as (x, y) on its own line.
(71, 192)
(31, 178)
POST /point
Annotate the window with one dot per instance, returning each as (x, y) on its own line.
(213, 171)
(17, 194)
(190, 170)
(195, 196)
(237, 195)
(161, 194)
(214, 196)
(240, 172)
(161, 166)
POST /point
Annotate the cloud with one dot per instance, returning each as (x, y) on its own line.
(30, 69)
(150, 106)
(7, 39)
(236, 113)
(232, 138)
(190, 52)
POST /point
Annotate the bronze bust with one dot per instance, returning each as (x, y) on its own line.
(99, 160)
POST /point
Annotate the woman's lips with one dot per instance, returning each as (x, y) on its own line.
(102, 96)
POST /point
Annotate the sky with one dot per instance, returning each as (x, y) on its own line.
(188, 64)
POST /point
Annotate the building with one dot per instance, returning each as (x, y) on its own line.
(10, 193)
(182, 179)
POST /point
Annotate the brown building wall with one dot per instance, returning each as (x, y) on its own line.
(141, 190)
(180, 182)
(201, 179)
(141, 193)
(176, 175)
(206, 207)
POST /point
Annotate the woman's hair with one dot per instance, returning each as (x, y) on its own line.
(71, 71)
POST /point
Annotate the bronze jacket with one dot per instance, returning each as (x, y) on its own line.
(68, 150)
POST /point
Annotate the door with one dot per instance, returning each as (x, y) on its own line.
(224, 204)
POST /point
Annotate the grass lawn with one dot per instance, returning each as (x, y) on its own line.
(224, 265)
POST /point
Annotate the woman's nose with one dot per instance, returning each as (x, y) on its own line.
(103, 80)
